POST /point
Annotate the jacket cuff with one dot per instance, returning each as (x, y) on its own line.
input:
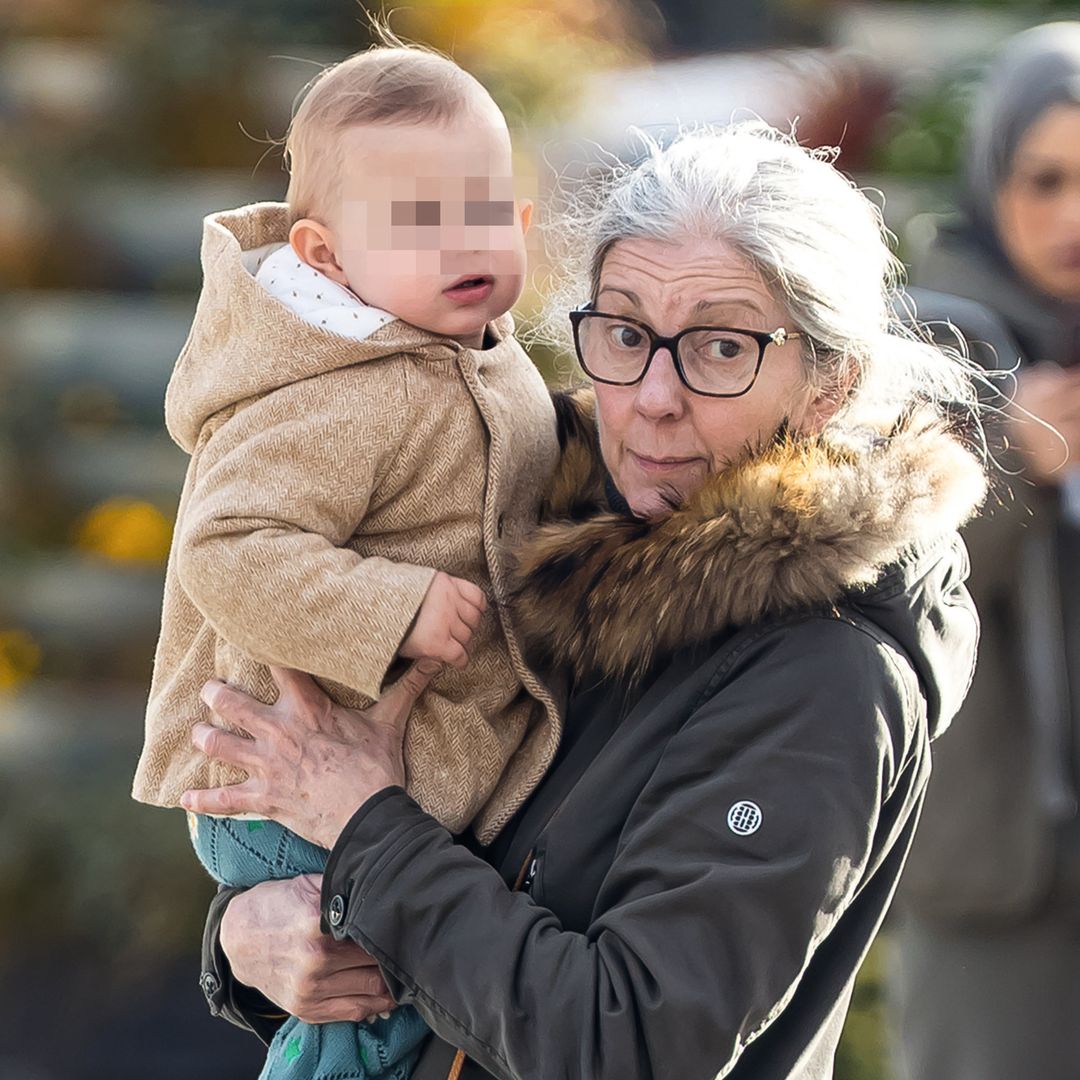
(403, 588)
(241, 1005)
(367, 844)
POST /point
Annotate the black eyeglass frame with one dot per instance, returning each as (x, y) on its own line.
(764, 338)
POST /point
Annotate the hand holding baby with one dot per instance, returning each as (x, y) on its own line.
(448, 617)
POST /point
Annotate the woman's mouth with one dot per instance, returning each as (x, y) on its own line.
(661, 464)
(471, 290)
(1068, 257)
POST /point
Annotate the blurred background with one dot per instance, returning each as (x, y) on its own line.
(122, 122)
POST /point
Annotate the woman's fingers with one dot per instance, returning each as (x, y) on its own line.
(237, 708)
(226, 801)
(359, 981)
(352, 1008)
(299, 690)
(225, 746)
(399, 697)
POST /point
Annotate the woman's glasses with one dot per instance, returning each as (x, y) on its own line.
(717, 361)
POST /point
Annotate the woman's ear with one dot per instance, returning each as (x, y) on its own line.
(822, 403)
(313, 243)
(525, 210)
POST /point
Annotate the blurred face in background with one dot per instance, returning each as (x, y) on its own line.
(1038, 206)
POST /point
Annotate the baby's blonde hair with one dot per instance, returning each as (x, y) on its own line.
(386, 84)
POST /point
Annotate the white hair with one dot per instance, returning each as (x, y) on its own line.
(819, 244)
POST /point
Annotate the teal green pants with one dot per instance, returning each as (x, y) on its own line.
(243, 853)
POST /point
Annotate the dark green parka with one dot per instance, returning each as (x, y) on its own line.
(757, 678)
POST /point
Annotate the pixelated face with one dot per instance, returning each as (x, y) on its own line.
(429, 227)
(660, 440)
(1038, 206)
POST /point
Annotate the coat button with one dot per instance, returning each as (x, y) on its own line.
(209, 983)
(499, 524)
(337, 910)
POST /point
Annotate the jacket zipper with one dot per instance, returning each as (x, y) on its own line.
(523, 883)
(530, 875)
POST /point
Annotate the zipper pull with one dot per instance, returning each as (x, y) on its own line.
(530, 876)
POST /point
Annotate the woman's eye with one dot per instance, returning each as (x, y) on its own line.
(723, 348)
(626, 337)
(1048, 182)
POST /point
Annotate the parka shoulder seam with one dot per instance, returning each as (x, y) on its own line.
(882, 646)
(736, 649)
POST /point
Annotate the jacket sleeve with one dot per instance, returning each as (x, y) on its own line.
(241, 1005)
(702, 928)
(279, 487)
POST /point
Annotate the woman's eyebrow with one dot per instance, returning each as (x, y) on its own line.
(1036, 159)
(725, 305)
(631, 296)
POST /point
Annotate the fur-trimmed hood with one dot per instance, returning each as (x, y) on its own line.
(797, 526)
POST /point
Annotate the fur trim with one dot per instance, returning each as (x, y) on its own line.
(577, 487)
(790, 527)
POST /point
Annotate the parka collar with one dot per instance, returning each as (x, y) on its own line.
(791, 527)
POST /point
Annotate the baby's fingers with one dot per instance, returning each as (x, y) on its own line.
(455, 652)
(470, 615)
(472, 594)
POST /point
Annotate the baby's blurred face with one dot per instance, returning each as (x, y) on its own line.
(429, 228)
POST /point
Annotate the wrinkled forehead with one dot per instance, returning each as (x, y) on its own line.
(688, 279)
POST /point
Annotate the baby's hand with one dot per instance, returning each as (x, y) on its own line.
(446, 622)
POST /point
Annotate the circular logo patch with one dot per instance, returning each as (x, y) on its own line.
(744, 818)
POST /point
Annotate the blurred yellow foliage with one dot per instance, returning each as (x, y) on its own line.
(125, 530)
(20, 657)
(534, 59)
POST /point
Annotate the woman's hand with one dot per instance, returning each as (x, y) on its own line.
(271, 937)
(310, 763)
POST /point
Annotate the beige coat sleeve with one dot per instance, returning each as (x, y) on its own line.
(279, 486)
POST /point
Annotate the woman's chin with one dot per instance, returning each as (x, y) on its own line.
(650, 495)
(654, 501)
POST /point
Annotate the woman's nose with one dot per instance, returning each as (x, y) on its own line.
(1070, 207)
(661, 392)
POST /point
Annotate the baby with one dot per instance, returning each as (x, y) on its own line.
(365, 436)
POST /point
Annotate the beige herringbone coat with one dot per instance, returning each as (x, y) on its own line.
(329, 479)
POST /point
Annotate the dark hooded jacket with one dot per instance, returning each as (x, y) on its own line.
(1001, 837)
(756, 679)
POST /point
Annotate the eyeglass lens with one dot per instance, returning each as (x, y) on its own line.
(714, 361)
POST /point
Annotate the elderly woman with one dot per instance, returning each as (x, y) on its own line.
(992, 893)
(750, 585)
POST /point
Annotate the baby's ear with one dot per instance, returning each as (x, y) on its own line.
(313, 243)
(525, 209)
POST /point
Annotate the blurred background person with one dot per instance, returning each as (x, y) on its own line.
(986, 974)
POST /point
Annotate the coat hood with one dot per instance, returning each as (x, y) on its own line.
(803, 524)
(244, 342)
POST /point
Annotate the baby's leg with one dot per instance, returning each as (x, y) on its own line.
(243, 853)
(382, 1050)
